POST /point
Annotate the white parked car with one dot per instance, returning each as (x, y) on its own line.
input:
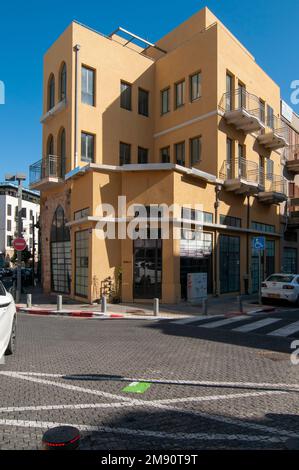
(281, 286)
(7, 322)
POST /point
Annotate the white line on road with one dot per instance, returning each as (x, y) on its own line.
(149, 403)
(203, 383)
(286, 330)
(146, 433)
(194, 319)
(221, 419)
(226, 321)
(256, 325)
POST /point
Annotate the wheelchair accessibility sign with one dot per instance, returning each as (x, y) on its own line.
(259, 243)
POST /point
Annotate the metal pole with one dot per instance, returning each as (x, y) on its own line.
(204, 306)
(77, 71)
(260, 293)
(104, 304)
(33, 249)
(19, 253)
(29, 300)
(156, 307)
(240, 303)
(59, 303)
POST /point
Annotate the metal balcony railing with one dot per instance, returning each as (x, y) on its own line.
(240, 169)
(50, 166)
(241, 99)
(292, 152)
(279, 127)
(273, 183)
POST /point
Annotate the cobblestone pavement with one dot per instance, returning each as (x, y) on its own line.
(209, 389)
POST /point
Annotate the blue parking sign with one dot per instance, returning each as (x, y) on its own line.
(259, 243)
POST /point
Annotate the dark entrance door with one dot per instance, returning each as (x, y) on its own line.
(229, 263)
(147, 269)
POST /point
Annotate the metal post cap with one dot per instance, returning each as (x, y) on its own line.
(61, 438)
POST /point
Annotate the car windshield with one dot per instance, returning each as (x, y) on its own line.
(280, 278)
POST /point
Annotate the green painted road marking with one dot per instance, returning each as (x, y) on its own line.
(136, 387)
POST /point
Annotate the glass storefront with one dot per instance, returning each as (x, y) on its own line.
(229, 264)
(290, 260)
(60, 249)
(195, 257)
(147, 268)
(81, 263)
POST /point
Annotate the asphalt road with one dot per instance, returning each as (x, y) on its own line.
(209, 388)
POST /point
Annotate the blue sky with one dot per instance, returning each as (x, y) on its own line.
(268, 28)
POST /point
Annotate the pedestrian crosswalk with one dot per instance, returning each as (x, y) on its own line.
(270, 326)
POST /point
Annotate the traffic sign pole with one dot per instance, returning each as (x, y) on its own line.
(260, 283)
(19, 253)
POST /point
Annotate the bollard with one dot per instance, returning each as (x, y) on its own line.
(29, 300)
(156, 307)
(240, 303)
(204, 306)
(59, 302)
(61, 438)
(104, 304)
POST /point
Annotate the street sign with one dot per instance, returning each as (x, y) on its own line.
(19, 244)
(259, 243)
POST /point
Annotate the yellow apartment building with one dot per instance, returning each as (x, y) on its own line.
(191, 120)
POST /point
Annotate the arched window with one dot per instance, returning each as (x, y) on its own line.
(62, 151)
(51, 92)
(62, 93)
(60, 253)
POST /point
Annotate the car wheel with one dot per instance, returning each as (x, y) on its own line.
(12, 341)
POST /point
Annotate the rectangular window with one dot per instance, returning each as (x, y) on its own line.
(230, 221)
(195, 86)
(260, 227)
(165, 101)
(8, 209)
(229, 90)
(87, 147)
(165, 155)
(9, 241)
(8, 226)
(229, 157)
(195, 150)
(262, 111)
(87, 86)
(81, 213)
(290, 260)
(241, 96)
(126, 95)
(143, 102)
(179, 151)
(142, 155)
(180, 94)
(124, 153)
(270, 169)
(270, 117)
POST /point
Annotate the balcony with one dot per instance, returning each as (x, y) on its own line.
(276, 136)
(292, 162)
(240, 176)
(46, 173)
(272, 191)
(242, 110)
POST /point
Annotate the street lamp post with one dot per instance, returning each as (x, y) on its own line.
(19, 177)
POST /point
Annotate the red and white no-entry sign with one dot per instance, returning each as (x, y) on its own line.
(19, 244)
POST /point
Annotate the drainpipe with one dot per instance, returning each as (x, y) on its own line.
(216, 250)
(77, 73)
(248, 254)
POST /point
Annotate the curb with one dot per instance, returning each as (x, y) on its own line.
(85, 314)
(250, 312)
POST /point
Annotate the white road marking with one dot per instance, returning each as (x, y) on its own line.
(140, 432)
(203, 383)
(184, 321)
(149, 403)
(74, 388)
(286, 330)
(256, 325)
(221, 419)
(226, 321)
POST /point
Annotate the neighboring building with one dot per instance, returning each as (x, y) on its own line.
(192, 119)
(9, 217)
(290, 258)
